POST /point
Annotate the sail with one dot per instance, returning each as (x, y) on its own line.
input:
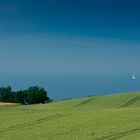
(133, 77)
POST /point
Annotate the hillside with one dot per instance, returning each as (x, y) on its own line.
(107, 117)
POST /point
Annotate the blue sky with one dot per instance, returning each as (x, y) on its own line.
(69, 37)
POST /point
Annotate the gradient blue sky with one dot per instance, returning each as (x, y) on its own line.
(69, 36)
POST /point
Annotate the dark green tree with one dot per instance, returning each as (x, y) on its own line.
(33, 95)
(36, 95)
(6, 94)
(20, 96)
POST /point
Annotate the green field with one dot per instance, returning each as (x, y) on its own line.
(108, 117)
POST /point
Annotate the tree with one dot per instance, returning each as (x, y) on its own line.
(6, 94)
(20, 96)
(33, 95)
(36, 95)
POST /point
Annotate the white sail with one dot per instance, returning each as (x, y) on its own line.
(133, 77)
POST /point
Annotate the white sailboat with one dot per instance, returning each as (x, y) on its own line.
(133, 76)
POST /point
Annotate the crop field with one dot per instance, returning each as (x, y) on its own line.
(8, 104)
(107, 117)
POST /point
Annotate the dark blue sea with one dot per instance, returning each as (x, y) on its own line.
(73, 86)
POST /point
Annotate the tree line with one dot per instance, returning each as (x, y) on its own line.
(32, 95)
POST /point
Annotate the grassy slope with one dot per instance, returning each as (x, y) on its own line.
(105, 117)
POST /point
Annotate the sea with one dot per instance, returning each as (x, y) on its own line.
(74, 86)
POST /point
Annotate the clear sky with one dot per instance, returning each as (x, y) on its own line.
(69, 36)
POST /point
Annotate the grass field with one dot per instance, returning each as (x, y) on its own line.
(108, 117)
